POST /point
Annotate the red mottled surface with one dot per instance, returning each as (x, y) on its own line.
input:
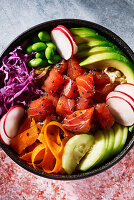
(117, 183)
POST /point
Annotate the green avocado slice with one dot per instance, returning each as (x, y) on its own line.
(97, 49)
(94, 43)
(89, 38)
(83, 31)
(110, 59)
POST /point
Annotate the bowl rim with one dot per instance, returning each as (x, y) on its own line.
(115, 39)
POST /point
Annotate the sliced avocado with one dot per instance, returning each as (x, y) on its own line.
(95, 154)
(95, 50)
(83, 31)
(74, 150)
(118, 135)
(111, 59)
(84, 39)
(93, 43)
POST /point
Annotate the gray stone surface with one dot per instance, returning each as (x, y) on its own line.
(18, 15)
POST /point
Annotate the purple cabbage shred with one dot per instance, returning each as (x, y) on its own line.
(17, 84)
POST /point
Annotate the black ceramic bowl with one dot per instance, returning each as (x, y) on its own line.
(111, 37)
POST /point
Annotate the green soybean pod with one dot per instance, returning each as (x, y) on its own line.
(39, 46)
(52, 45)
(44, 36)
(49, 53)
(55, 59)
(40, 54)
(36, 62)
(29, 49)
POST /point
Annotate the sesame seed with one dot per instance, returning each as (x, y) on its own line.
(53, 81)
(27, 134)
(75, 128)
(35, 111)
(88, 91)
(51, 91)
(40, 112)
(80, 112)
(71, 129)
(82, 92)
(74, 68)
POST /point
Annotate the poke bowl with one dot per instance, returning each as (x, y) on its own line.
(67, 99)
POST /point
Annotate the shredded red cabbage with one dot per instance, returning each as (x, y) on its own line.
(17, 84)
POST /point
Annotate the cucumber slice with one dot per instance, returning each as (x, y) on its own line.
(118, 133)
(131, 129)
(110, 143)
(107, 144)
(124, 138)
(74, 150)
(95, 154)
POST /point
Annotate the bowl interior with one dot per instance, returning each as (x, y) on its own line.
(48, 26)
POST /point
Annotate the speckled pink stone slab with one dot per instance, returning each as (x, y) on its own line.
(117, 183)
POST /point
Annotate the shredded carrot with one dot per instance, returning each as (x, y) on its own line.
(27, 157)
(55, 145)
(25, 139)
(37, 154)
(42, 146)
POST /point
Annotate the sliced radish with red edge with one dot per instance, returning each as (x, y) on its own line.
(127, 88)
(6, 140)
(122, 95)
(121, 110)
(12, 120)
(63, 43)
(75, 46)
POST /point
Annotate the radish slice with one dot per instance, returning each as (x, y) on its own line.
(128, 88)
(12, 120)
(122, 95)
(63, 43)
(121, 110)
(3, 136)
(75, 46)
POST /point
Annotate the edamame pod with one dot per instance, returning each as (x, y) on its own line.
(49, 53)
(44, 36)
(52, 45)
(40, 54)
(39, 46)
(54, 60)
(36, 62)
(29, 49)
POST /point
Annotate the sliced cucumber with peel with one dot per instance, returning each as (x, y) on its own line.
(124, 138)
(95, 154)
(74, 150)
(118, 134)
(111, 140)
